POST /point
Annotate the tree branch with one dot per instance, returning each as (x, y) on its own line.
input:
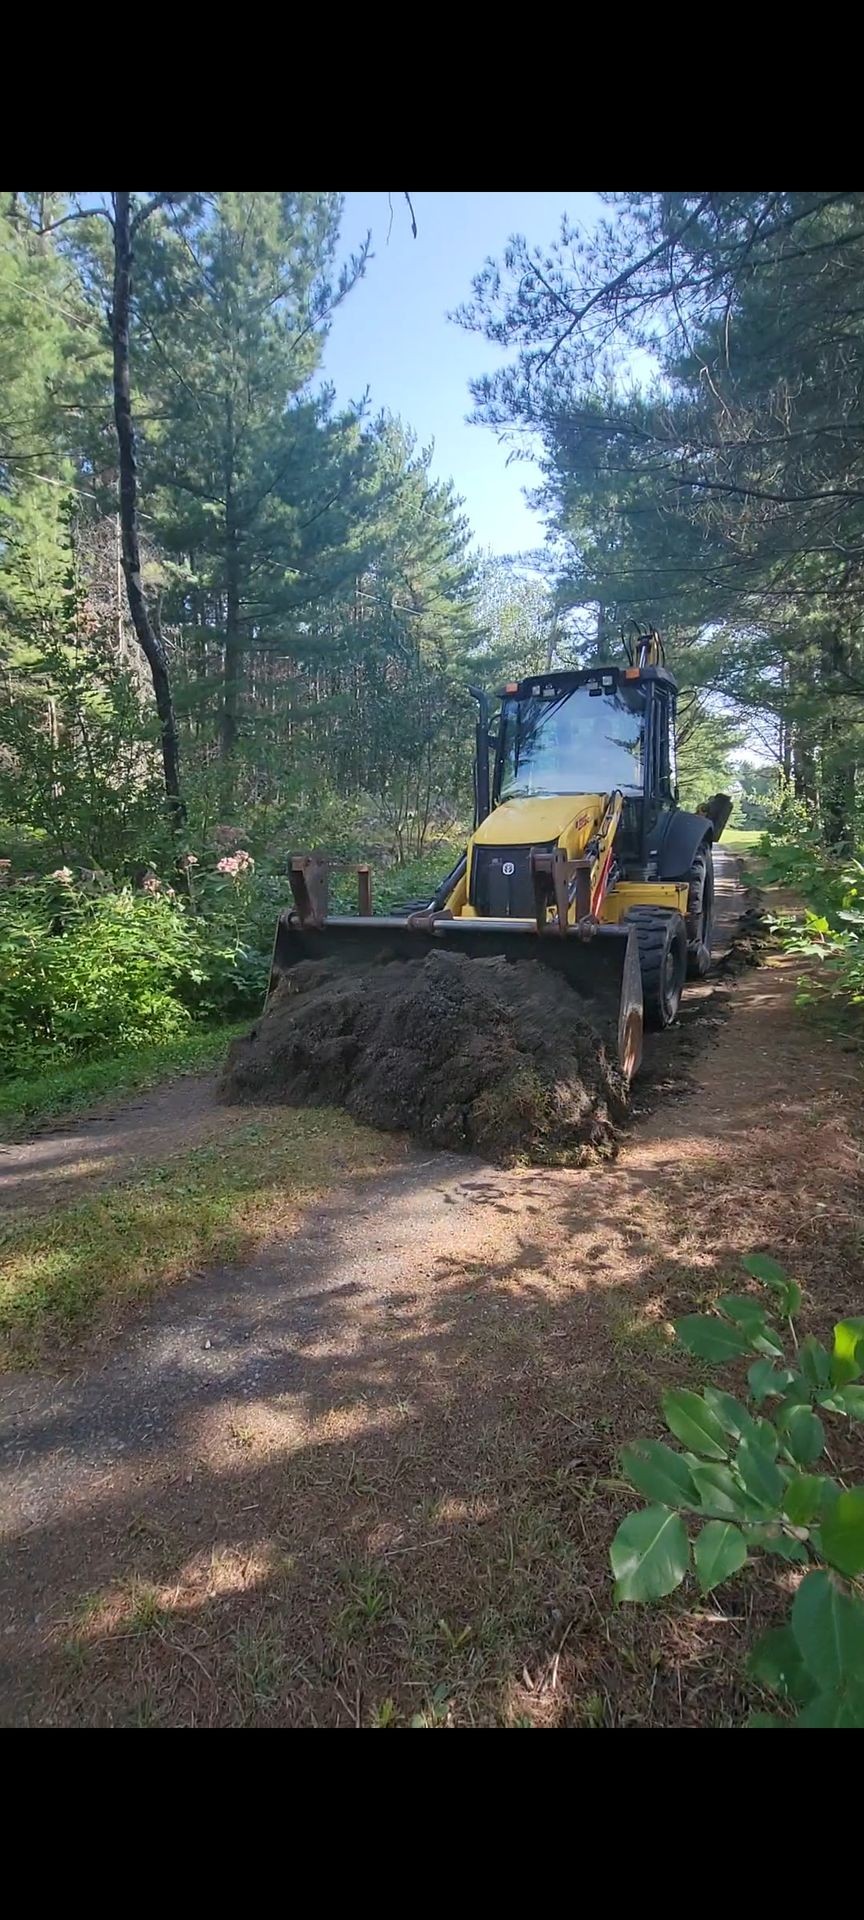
(151, 206)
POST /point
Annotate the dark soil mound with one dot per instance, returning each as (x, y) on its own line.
(475, 1054)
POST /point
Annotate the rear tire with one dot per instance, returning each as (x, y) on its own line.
(700, 913)
(662, 940)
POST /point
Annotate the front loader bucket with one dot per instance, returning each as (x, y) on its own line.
(603, 968)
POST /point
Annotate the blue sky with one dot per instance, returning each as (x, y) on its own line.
(393, 336)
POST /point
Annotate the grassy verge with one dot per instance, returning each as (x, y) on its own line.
(59, 1270)
(740, 839)
(29, 1099)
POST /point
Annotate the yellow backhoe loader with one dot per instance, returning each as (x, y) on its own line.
(580, 855)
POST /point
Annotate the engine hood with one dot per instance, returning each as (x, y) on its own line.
(532, 822)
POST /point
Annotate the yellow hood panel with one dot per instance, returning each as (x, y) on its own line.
(528, 822)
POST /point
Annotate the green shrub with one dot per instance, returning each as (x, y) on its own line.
(746, 1478)
(796, 862)
(85, 972)
(79, 973)
(832, 931)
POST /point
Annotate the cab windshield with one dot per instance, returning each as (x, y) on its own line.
(576, 742)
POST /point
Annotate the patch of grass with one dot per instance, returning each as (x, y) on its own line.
(384, 1715)
(86, 1609)
(259, 1664)
(593, 1712)
(26, 1100)
(146, 1611)
(368, 1604)
(148, 1712)
(636, 1330)
(740, 839)
(437, 1711)
(58, 1269)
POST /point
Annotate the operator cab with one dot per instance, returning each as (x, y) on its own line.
(595, 730)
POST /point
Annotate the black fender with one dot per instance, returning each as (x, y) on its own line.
(684, 834)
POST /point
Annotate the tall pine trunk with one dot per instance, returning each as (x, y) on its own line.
(146, 635)
(838, 758)
(838, 789)
(233, 643)
(232, 659)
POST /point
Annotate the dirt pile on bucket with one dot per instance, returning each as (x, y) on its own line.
(482, 1055)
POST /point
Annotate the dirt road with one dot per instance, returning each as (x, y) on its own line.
(363, 1479)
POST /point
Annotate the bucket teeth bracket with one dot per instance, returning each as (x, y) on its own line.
(557, 881)
(309, 875)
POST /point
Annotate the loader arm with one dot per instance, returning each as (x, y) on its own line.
(604, 843)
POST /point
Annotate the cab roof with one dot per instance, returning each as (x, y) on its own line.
(537, 686)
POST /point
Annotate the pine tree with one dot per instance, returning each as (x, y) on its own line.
(694, 371)
(249, 479)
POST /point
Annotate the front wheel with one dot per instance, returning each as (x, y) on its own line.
(662, 941)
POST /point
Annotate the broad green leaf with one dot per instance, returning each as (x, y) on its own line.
(720, 1551)
(767, 1437)
(709, 1338)
(803, 1434)
(853, 1402)
(650, 1554)
(762, 1267)
(803, 1498)
(842, 1533)
(789, 1299)
(829, 1629)
(750, 1317)
(765, 1378)
(814, 1361)
(763, 1720)
(772, 1541)
(847, 1360)
(835, 1708)
(743, 1308)
(730, 1412)
(760, 1474)
(776, 1662)
(692, 1422)
(798, 1392)
(764, 1340)
(832, 1400)
(719, 1491)
(660, 1473)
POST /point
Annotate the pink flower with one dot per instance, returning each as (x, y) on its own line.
(64, 875)
(188, 860)
(236, 863)
(151, 882)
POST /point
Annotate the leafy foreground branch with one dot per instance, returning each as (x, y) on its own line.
(749, 1479)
